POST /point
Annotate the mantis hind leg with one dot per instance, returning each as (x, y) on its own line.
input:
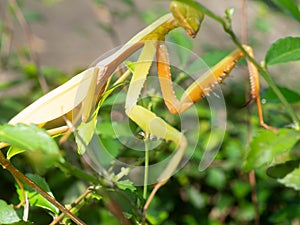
(205, 84)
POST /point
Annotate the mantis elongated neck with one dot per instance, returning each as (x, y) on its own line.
(160, 33)
(156, 31)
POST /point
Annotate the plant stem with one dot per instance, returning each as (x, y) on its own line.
(29, 38)
(17, 174)
(73, 205)
(146, 172)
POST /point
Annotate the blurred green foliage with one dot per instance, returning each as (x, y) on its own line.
(221, 194)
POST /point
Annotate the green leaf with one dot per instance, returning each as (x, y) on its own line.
(130, 65)
(292, 179)
(30, 70)
(29, 137)
(196, 198)
(33, 16)
(126, 184)
(289, 7)
(240, 188)
(287, 213)
(22, 223)
(208, 60)
(283, 50)
(118, 98)
(35, 198)
(12, 151)
(291, 96)
(213, 57)
(216, 178)
(103, 101)
(86, 130)
(34, 141)
(85, 134)
(148, 16)
(267, 145)
(100, 2)
(183, 46)
(9, 84)
(111, 147)
(129, 3)
(282, 169)
(7, 213)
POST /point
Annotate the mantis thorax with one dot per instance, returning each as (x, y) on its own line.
(184, 16)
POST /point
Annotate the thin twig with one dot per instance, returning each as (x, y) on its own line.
(74, 204)
(20, 176)
(252, 181)
(251, 175)
(146, 172)
(6, 34)
(29, 38)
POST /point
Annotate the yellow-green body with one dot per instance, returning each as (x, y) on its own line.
(82, 92)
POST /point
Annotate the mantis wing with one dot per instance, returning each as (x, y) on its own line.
(57, 102)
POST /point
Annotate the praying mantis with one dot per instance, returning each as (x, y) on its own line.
(81, 93)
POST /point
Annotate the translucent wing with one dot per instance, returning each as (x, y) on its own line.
(57, 102)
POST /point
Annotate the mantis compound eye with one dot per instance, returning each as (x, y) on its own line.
(187, 17)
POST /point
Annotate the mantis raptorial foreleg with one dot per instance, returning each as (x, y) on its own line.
(149, 121)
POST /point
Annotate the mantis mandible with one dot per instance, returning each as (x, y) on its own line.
(84, 90)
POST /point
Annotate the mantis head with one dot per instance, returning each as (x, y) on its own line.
(187, 17)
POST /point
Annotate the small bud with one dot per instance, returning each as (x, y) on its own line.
(229, 12)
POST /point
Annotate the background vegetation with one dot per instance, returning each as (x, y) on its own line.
(228, 192)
